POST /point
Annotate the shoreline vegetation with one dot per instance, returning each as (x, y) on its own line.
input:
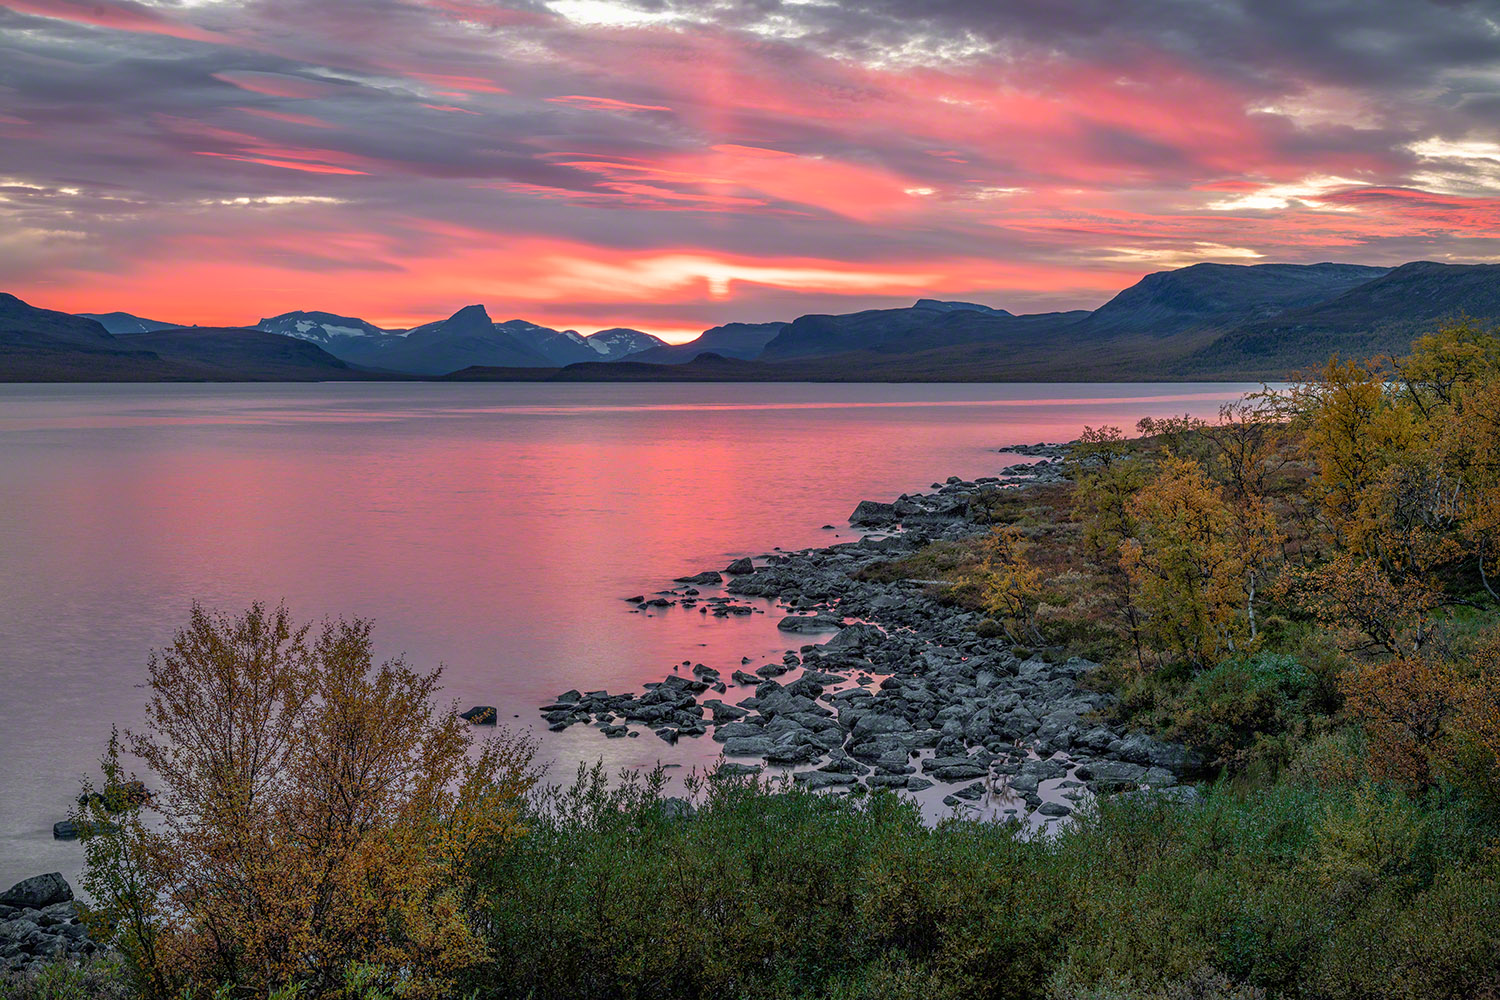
(1294, 607)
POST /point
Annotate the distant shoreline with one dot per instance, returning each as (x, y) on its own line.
(567, 375)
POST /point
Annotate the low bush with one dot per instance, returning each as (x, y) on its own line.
(763, 892)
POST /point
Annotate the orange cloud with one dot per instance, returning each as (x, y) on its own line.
(459, 85)
(731, 174)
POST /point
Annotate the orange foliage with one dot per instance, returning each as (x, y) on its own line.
(1009, 584)
(316, 813)
(1196, 564)
(1404, 703)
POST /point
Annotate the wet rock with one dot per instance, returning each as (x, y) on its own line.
(740, 567)
(888, 781)
(706, 577)
(793, 754)
(855, 637)
(809, 623)
(748, 746)
(873, 514)
(871, 724)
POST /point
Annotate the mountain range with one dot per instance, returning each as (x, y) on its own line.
(1205, 321)
(468, 337)
(40, 345)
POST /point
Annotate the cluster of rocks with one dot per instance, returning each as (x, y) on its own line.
(1048, 467)
(1044, 470)
(689, 596)
(40, 922)
(949, 509)
(1056, 452)
(906, 693)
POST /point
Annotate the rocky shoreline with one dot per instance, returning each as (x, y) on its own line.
(902, 692)
(905, 693)
(40, 922)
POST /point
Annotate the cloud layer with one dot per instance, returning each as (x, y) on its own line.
(669, 165)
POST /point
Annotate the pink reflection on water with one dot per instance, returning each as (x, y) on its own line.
(493, 529)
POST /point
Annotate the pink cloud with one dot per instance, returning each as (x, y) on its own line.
(604, 103)
(117, 15)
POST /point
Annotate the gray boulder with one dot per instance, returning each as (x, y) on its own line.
(748, 746)
(38, 891)
(873, 514)
(708, 576)
(856, 636)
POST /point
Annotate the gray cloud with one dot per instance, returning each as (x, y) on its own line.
(410, 121)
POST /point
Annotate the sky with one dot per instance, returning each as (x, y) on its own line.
(669, 165)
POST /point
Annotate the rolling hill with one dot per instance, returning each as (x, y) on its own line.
(41, 345)
(1380, 316)
(124, 322)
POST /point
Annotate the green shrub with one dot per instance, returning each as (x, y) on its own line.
(618, 892)
(99, 979)
(1234, 711)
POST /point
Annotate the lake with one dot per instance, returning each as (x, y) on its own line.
(492, 528)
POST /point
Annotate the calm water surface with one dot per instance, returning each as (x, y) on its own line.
(491, 528)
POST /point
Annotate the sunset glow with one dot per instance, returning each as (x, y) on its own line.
(594, 163)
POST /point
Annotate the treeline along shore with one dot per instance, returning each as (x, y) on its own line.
(1238, 680)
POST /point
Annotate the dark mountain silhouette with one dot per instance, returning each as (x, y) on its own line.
(1205, 296)
(1196, 300)
(468, 337)
(124, 322)
(21, 323)
(434, 348)
(240, 354)
(559, 347)
(1378, 317)
(1208, 321)
(938, 305)
(902, 330)
(40, 345)
(732, 340)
